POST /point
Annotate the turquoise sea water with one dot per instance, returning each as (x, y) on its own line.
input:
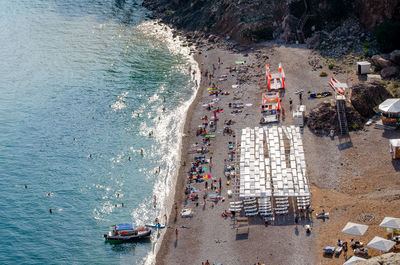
(79, 78)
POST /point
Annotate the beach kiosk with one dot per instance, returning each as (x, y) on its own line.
(275, 81)
(363, 68)
(395, 148)
(390, 109)
(270, 107)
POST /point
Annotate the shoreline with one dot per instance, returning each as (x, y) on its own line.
(176, 45)
(177, 196)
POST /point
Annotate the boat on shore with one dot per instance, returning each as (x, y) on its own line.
(120, 233)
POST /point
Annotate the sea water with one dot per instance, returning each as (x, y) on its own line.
(85, 85)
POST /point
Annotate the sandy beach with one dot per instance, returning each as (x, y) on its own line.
(346, 182)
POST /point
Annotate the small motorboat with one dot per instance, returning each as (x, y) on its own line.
(127, 233)
(157, 226)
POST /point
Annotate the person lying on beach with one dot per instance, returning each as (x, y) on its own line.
(226, 214)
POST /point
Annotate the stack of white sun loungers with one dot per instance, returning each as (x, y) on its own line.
(250, 207)
(303, 202)
(267, 170)
(265, 206)
(253, 182)
(281, 205)
(236, 206)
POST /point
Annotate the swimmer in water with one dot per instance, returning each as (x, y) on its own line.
(129, 158)
(155, 201)
(50, 210)
(141, 151)
(90, 155)
(74, 139)
(26, 186)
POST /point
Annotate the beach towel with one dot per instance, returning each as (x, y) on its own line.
(210, 136)
(240, 62)
(206, 176)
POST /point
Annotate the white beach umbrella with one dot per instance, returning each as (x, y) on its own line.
(391, 222)
(390, 105)
(381, 244)
(353, 260)
(355, 229)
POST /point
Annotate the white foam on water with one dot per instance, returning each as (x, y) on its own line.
(120, 103)
(168, 147)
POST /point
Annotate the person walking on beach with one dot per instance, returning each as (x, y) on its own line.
(204, 198)
(206, 185)
(296, 220)
(176, 233)
(176, 208)
(220, 184)
(290, 103)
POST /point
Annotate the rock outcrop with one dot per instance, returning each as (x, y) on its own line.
(323, 118)
(374, 12)
(389, 258)
(395, 56)
(381, 61)
(366, 96)
(388, 72)
(340, 23)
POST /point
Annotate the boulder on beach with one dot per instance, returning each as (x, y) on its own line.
(395, 56)
(390, 71)
(366, 96)
(323, 118)
(381, 61)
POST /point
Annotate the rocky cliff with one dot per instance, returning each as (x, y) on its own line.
(247, 21)
(374, 12)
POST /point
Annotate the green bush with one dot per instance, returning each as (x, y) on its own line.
(366, 45)
(356, 127)
(387, 36)
(323, 74)
(395, 84)
(362, 56)
(366, 51)
(169, 12)
(330, 66)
